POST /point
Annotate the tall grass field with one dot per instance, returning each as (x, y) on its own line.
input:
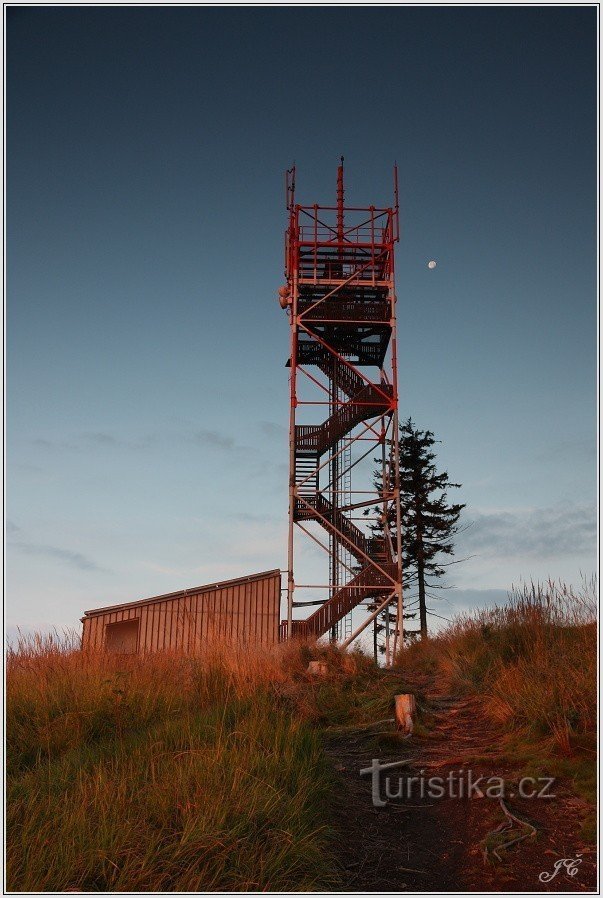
(533, 663)
(160, 774)
(168, 773)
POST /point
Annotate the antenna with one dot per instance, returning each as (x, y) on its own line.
(396, 203)
(340, 193)
(290, 188)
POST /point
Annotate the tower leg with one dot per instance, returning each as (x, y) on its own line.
(292, 487)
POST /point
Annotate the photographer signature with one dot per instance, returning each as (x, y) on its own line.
(569, 864)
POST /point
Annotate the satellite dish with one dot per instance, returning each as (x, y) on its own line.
(432, 264)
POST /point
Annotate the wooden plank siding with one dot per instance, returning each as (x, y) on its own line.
(245, 610)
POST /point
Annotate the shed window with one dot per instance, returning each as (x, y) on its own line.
(122, 636)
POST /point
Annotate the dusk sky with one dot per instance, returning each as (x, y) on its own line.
(147, 395)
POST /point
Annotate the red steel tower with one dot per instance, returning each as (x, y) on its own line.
(341, 301)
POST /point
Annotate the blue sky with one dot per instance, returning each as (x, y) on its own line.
(146, 390)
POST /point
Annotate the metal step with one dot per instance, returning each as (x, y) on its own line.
(367, 584)
(367, 403)
(306, 474)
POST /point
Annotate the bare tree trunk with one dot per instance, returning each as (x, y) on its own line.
(422, 605)
(375, 641)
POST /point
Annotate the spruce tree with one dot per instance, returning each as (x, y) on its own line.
(429, 521)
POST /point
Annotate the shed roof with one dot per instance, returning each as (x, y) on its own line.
(192, 590)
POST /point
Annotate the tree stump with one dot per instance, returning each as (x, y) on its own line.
(406, 708)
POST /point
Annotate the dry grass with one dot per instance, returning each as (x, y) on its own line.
(533, 662)
(172, 773)
(162, 773)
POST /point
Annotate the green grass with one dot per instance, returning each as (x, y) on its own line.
(217, 800)
(162, 774)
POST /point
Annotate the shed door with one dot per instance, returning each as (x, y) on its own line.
(122, 636)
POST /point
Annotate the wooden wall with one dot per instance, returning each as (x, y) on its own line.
(244, 610)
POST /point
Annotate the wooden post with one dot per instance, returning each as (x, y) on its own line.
(318, 668)
(406, 708)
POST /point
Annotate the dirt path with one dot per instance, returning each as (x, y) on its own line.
(422, 843)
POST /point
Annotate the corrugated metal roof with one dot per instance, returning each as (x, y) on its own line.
(209, 587)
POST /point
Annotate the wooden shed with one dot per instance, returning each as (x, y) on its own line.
(243, 610)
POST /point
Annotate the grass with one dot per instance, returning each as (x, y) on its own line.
(533, 662)
(171, 773)
(162, 774)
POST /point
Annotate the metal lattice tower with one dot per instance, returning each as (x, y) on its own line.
(341, 301)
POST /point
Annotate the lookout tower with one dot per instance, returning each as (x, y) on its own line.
(341, 302)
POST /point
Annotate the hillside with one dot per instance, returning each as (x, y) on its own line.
(240, 771)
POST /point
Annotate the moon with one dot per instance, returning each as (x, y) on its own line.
(432, 264)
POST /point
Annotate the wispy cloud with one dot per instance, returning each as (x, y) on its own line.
(100, 438)
(104, 440)
(51, 445)
(457, 602)
(271, 430)
(249, 518)
(461, 600)
(222, 442)
(84, 442)
(564, 529)
(73, 559)
(569, 450)
(214, 440)
(25, 468)
(163, 569)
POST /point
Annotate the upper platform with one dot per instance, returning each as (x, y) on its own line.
(340, 245)
(339, 263)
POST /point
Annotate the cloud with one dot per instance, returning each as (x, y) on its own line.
(83, 442)
(564, 529)
(272, 431)
(25, 468)
(11, 527)
(51, 445)
(249, 518)
(454, 603)
(100, 438)
(214, 440)
(73, 559)
(103, 440)
(459, 600)
(162, 569)
(569, 450)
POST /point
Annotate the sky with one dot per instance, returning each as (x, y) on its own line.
(147, 398)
